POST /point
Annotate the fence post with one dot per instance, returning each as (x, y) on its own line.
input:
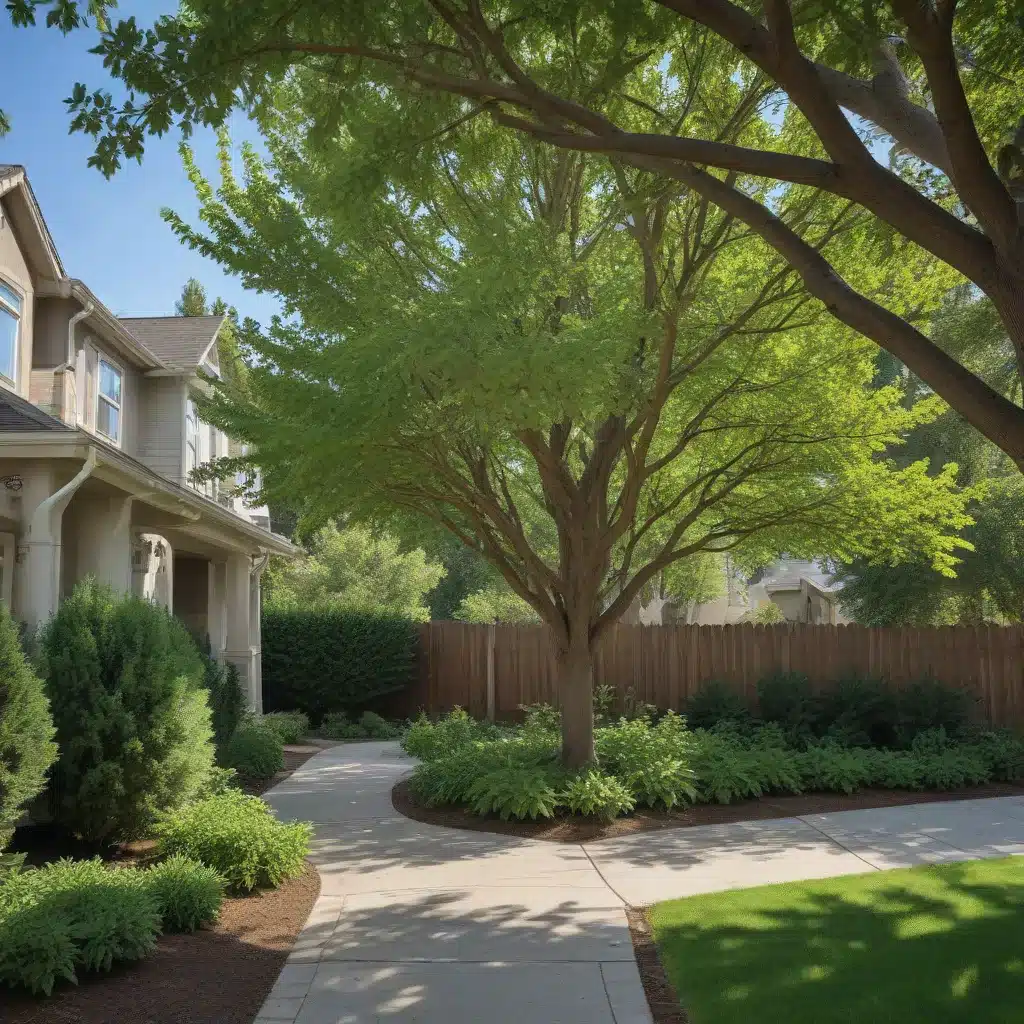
(491, 631)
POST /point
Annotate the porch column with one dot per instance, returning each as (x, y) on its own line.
(105, 542)
(216, 608)
(237, 572)
(38, 558)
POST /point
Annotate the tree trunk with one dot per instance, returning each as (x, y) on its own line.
(576, 695)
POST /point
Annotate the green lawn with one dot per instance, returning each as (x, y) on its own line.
(931, 945)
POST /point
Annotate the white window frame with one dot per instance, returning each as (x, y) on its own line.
(100, 397)
(191, 441)
(18, 315)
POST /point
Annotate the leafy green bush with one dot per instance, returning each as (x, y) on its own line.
(226, 699)
(26, 730)
(1004, 754)
(323, 661)
(429, 740)
(125, 683)
(237, 836)
(73, 916)
(370, 726)
(594, 793)
(664, 782)
(833, 768)
(715, 702)
(378, 728)
(929, 704)
(541, 718)
(859, 712)
(785, 699)
(290, 726)
(255, 751)
(515, 792)
(188, 894)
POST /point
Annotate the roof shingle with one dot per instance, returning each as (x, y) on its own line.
(18, 415)
(179, 341)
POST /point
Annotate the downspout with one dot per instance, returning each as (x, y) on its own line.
(40, 528)
(40, 535)
(69, 363)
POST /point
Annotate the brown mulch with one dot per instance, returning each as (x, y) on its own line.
(661, 996)
(219, 975)
(568, 829)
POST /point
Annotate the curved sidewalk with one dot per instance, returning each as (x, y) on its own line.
(420, 923)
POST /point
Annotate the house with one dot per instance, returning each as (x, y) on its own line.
(800, 588)
(98, 436)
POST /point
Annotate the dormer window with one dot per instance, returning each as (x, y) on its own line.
(10, 327)
(108, 401)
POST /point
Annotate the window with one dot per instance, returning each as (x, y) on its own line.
(10, 324)
(108, 401)
(191, 439)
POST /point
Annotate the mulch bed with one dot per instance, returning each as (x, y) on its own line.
(566, 829)
(219, 975)
(661, 996)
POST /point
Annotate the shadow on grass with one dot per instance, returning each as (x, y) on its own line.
(936, 944)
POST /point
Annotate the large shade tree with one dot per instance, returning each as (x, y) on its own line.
(936, 83)
(585, 372)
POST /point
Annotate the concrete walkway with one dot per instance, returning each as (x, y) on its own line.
(438, 926)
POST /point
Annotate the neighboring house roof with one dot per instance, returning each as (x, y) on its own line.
(18, 415)
(787, 574)
(180, 341)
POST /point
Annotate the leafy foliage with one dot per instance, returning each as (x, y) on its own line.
(514, 792)
(188, 894)
(594, 793)
(370, 726)
(323, 661)
(26, 730)
(239, 837)
(125, 683)
(255, 751)
(496, 603)
(430, 740)
(73, 916)
(716, 702)
(354, 569)
(642, 763)
(226, 699)
(290, 726)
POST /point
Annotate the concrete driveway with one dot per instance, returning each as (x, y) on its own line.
(439, 926)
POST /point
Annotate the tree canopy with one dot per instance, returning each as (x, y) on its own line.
(356, 570)
(585, 372)
(660, 86)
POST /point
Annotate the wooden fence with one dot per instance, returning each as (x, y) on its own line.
(663, 665)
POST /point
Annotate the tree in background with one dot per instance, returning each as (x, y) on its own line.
(583, 371)
(193, 302)
(355, 570)
(937, 83)
(989, 582)
(496, 602)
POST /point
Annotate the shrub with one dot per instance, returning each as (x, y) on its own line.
(238, 837)
(665, 782)
(1003, 753)
(541, 718)
(515, 792)
(785, 699)
(428, 740)
(26, 730)
(72, 916)
(831, 767)
(226, 699)
(255, 751)
(929, 704)
(715, 702)
(377, 728)
(188, 894)
(125, 683)
(724, 770)
(336, 725)
(594, 793)
(861, 713)
(323, 661)
(290, 726)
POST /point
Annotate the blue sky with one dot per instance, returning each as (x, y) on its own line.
(108, 233)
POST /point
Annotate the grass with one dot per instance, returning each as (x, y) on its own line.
(936, 943)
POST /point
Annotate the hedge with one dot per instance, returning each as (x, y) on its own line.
(326, 661)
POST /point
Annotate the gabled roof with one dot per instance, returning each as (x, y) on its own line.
(182, 342)
(28, 222)
(18, 415)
